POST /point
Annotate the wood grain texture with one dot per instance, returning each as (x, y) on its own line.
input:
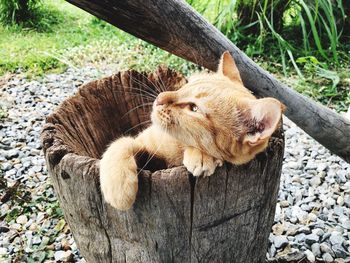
(176, 27)
(176, 218)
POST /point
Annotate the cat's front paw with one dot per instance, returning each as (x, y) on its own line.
(119, 184)
(118, 177)
(199, 163)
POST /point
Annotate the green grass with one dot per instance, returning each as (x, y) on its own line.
(36, 52)
(75, 38)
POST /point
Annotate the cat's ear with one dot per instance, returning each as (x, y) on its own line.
(228, 68)
(265, 115)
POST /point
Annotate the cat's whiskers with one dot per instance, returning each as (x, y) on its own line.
(148, 89)
(149, 97)
(137, 125)
(145, 96)
(145, 100)
(153, 82)
(137, 152)
(196, 61)
(163, 87)
(148, 92)
(151, 94)
(137, 107)
(150, 158)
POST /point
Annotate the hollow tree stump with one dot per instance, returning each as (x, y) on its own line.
(176, 218)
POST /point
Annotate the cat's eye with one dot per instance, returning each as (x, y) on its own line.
(193, 107)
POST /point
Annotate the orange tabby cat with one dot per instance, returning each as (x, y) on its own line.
(211, 119)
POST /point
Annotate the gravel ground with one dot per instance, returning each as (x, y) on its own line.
(312, 215)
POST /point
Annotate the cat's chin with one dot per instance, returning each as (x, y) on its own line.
(165, 128)
(160, 126)
(158, 123)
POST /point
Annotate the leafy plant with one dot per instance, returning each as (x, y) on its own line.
(3, 112)
(17, 11)
(292, 28)
(325, 27)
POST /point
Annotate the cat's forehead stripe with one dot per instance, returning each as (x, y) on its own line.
(207, 80)
(202, 94)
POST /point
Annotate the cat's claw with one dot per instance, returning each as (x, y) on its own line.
(219, 162)
(199, 163)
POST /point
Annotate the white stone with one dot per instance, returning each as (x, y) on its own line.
(327, 258)
(63, 256)
(3, 251)
(22, 219)
(310, 256)
(280, 241)
(340, 200)
(315, 181)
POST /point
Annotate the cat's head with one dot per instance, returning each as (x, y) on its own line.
(215, 113)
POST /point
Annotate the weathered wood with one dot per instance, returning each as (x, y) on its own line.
(174, 26)
(176, 218)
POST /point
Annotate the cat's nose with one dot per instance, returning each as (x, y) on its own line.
(164, 98)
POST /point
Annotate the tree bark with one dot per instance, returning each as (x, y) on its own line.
(174, 26)
(226, 217)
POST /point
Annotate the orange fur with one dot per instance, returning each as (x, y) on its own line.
(211, 119)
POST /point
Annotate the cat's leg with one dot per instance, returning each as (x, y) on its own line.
(118, 173)
(199, 163)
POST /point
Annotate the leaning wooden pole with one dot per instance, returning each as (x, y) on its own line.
(175, 26)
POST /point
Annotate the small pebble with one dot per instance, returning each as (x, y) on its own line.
(64, 256)
(315, 181)
(310, 256)
(325, 248)
(22, 219)
(36, 240)
(327, 258)
(315, 248)
(280, 241)
(3, 251)
(311, 238)
(336, 238)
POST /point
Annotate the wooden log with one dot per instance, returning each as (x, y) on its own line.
(176, 218)
(176, 27)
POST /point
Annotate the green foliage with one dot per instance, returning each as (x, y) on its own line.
(75, 39)
(3, 112)
(45, 47)
(130, 53)
(12, 215)
(325, 27)
(290, 28)
(38, 257)
(17, 11)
